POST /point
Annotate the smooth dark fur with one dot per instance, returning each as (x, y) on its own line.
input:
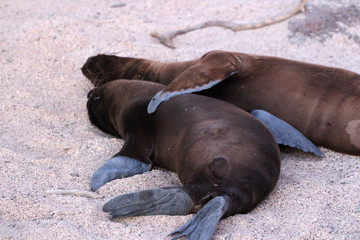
(215, 148)
(321, 102)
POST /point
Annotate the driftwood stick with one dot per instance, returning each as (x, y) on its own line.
(166, 39)
(75, 192)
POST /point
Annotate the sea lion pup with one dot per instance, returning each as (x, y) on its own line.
(227, 160)
(321, 102)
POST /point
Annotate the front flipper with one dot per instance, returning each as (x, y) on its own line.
(286, 134)
(132, 159)
(164, 95)
(159, 201)
(210, 70)
(117, 167)
(202, 225)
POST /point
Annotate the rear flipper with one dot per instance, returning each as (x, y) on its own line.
(202, 226)
(159, 201)
(286, 134)
(171, 201)
(117, 167)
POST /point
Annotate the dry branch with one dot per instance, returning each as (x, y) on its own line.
(75, 192)
(166, 39)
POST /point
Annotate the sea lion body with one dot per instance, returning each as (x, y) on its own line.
(321, 102)
(214, 147)
(227, 159)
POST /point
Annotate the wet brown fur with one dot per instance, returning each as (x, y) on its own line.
(321, 102)
(215, 147)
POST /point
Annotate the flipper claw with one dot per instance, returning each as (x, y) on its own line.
(115, 168)
(286, 134)
(202, 226)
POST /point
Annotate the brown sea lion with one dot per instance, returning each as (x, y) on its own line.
(227, 160)
(321, 102)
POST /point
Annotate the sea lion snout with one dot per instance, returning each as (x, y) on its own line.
(100, 69)
(97, 111)
(86, 70)
(93, 69)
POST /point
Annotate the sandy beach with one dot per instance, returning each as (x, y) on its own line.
(47, 141)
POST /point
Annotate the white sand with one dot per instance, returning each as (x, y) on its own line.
(47, 142)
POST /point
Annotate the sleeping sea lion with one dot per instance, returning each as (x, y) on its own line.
(226, 159)
(321, 102)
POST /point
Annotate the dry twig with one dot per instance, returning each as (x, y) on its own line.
(166, 39)
(75, 192)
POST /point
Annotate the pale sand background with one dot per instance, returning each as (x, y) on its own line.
(47, 141)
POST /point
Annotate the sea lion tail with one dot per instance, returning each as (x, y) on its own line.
(219, 168)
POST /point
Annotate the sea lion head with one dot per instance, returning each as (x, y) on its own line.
(107, 102)
(97, 110)
(100, 69)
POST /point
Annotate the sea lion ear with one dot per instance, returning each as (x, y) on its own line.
(208, 72)
(286, 134)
